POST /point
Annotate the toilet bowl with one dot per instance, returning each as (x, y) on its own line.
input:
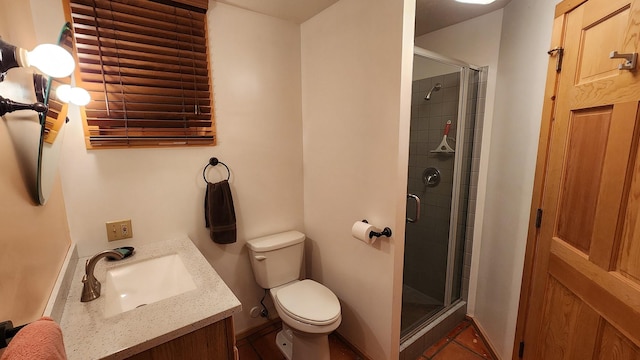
(309, 310)
(307, 306)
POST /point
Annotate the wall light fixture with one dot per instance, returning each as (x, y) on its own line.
(8, 105)
(51, 59)
(39, 86)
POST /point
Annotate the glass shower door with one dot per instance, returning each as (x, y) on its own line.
(437, 188)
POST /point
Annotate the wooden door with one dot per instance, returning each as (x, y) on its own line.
(583, 299)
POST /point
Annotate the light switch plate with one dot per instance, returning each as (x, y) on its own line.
(118, 230)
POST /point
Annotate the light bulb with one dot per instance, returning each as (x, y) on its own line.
(75, 95)
(63, 93)
(79, 96)
(51, 59)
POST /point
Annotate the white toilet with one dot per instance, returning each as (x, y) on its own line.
(309, 311)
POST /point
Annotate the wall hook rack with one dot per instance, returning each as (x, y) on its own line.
(213, 162)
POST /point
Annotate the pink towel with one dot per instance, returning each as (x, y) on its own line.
(40, 340)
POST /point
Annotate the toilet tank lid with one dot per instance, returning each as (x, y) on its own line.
(276, 241)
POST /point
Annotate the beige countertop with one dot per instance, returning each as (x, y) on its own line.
(88, 334)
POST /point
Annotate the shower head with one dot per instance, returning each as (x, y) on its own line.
(435, 87)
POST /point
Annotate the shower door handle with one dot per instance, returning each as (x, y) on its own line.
(417, 214)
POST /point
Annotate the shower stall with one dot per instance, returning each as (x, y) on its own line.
(446, 117)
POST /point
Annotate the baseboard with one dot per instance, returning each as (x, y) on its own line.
(355, 349)
(485, 338)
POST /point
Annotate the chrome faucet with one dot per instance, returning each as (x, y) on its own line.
(91, 288)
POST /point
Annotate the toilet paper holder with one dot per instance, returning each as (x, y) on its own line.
(385, 232)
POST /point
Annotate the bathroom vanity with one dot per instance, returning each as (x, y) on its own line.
(197, 323)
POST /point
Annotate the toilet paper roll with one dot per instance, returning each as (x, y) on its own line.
(360, 230)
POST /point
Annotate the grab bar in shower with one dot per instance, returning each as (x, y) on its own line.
(417, 213)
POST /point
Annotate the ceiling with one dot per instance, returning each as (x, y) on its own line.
(431, 15)
(297, 11)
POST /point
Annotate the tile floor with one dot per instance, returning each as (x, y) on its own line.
(462, 343)
(262, 346)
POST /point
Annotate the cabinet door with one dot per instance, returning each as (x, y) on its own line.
(216, 341)
(585, 289)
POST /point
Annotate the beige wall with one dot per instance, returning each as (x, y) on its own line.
(35, 238)
(34, 241)
(526, 37)
(255, 61)
(356, 93)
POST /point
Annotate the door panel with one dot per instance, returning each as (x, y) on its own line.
(629, 259)
(616, 165)
(564, 312)
(587, 141)
(594, 30)
(597, 44)
(585, 285)
(614, 346)
(609, 295)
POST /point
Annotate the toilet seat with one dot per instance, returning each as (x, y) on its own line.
(309, 302)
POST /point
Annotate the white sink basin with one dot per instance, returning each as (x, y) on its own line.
(130, 286)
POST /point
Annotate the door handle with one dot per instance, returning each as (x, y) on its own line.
(417, 214)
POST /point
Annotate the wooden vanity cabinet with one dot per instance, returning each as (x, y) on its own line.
(215, 341)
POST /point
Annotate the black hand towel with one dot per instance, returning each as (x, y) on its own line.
(219, 213)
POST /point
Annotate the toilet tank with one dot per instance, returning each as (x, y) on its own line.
(276, 259)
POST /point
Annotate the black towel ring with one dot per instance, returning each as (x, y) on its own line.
(213, 162)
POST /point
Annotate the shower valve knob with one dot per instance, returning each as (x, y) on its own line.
(431, 177)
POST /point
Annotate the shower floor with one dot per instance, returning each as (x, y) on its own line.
(416, 308)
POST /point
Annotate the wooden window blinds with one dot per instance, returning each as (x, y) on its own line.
(145, 64)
